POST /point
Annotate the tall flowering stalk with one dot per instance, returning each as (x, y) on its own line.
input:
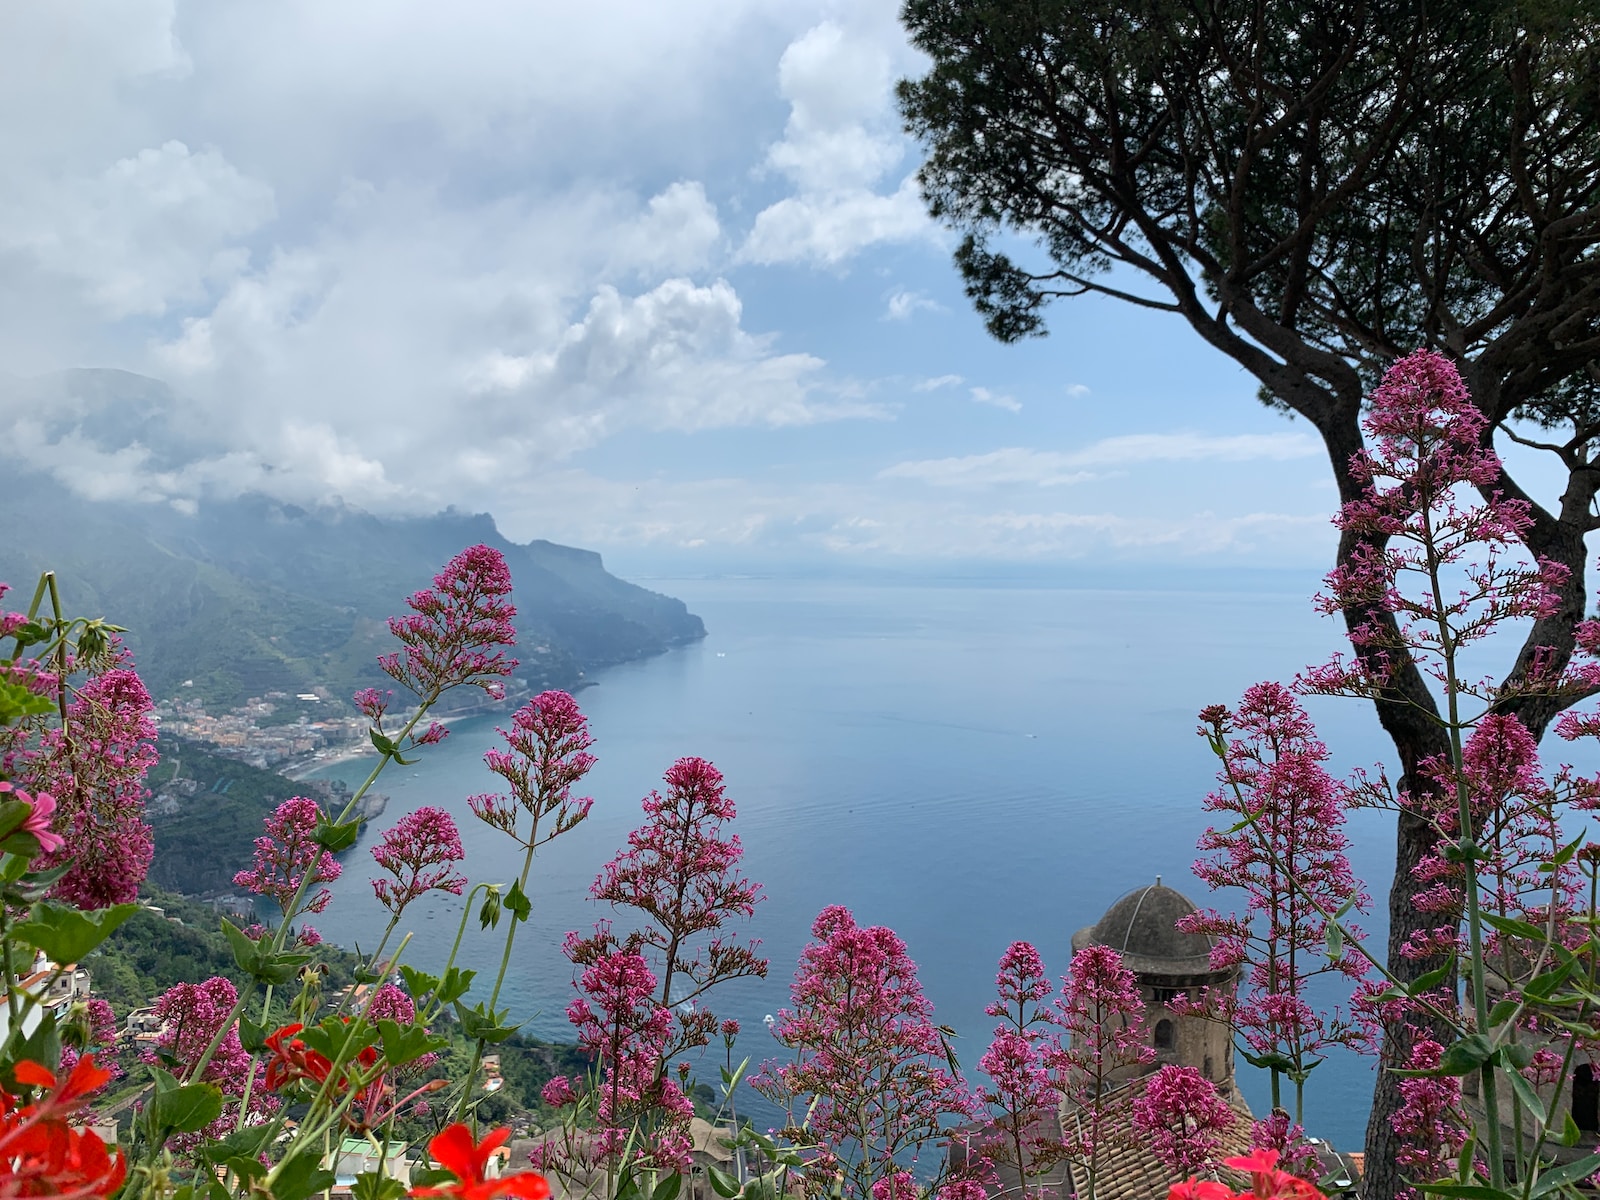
(680, 871)
(1024, 1090)
(620, 1024)
(868, 1059)
(94, 765)
(453, 637)
(1103, 1013)
(547, 755)
(1446, 569)
(1284, 847)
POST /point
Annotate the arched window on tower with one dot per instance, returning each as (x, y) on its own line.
(1163, 1039)
(1586, 1099)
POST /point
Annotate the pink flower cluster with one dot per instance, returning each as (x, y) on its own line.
(1431, 1123)
(1183, 1119)
(681, 872)
(1429, 447)
(868, 1055)
(547, 757)
(191, 1014)
(1284, 847)
(620, 1024)
(455, 631)
(420, 853)
(286, 854)
(94, 767)
(1102, 1012)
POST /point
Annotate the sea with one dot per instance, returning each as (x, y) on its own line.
(968, 763)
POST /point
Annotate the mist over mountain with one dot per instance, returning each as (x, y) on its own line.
(227, 582)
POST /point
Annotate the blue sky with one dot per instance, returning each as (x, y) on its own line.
(648, 278)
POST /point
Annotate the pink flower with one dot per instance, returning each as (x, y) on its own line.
(1183, 1117)
(286, 854)
(421, 852)
(38, 820)
(869, 1059)
(456, 630)
(548, 755)
(681, 871)
(94, 769)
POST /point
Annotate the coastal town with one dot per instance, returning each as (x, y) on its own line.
(280, 731)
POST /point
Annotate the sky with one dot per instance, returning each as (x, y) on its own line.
(650, 278)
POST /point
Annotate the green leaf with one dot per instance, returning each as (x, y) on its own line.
(1543, 985)
(480, 1025)
(1513, 927)
(369, 1185)
(517, 902)
(1429, 980)
(455, 984)
(1561, 1177)
(722, 1183)
(245, 952)
(1514, 1056)
(1502, 1011)
(67, 934)
(1335, 938)
(667, 1189)
(335, 838)
(251, 1036)
(1271, 1061)
(18, 702)
(12, 814)
(1467, 1055)
(1525, 1093)
(627, 1186)
(418, 983)
(186, 1109)
(249, 1169)
(384, 746)
(22, 844)
(1571, 1135)
(432, 1177)
(298, 1177)
(404, 1044)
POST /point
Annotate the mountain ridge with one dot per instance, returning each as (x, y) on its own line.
(248, 594)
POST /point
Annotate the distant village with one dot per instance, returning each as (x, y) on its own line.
(289, 733)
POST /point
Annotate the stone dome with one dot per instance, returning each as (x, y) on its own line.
(1142, 927)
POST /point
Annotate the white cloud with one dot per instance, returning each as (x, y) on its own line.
(677, 232)
(903, 304)
(157, 228)
(1047, 468)
(1010, 466)
(1077, 390)
(937, 382)
(982, 395)
(840, 142)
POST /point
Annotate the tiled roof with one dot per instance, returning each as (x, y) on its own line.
(1128, 1168)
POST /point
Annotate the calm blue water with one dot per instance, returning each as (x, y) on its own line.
(968, 765)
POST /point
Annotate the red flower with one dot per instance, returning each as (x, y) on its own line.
(40, 1154)
(1269, 1183)
(455, 1150)
(291, 1060)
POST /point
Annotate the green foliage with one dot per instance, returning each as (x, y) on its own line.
(151, 951)
(209, 838)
